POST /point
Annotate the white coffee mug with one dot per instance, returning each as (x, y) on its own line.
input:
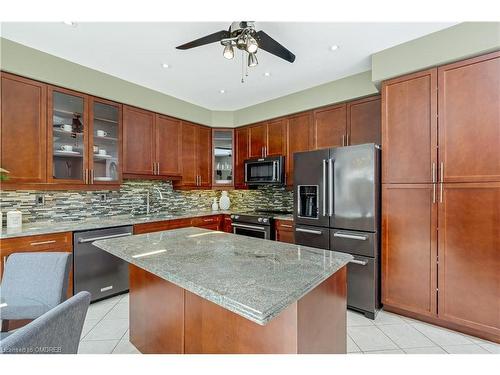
(101, 133)
(67, 148)
(66, 127)
(102, 151)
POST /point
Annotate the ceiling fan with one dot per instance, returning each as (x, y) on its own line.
(244, 37)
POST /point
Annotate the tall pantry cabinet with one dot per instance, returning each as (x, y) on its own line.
(441, 195)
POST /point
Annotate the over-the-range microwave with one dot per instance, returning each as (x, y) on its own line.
(265, 171)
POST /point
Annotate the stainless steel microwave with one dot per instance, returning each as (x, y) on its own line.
(265, 171)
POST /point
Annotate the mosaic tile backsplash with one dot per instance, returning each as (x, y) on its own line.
(131, 199)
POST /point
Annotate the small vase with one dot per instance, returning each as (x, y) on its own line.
(224, 201)
(215, 206)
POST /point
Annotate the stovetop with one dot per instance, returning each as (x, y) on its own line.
(258, 216)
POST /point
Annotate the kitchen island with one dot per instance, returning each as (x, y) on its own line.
(200, 291)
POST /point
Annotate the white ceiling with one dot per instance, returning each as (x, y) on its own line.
(135, 52)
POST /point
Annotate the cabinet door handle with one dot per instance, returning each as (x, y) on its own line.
(91, 176)
(441, 192)
(86, 176)
(286, 226)
(208, 220)
(343, 140)
(433, 193)
(442, 172)
(433, 172)
(347, 139)
(158, 168)
(42, 242)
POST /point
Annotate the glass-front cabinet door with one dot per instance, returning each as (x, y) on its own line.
(105, 150)
(67, 136)
(223, 147)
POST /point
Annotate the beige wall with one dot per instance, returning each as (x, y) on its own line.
(454, 43)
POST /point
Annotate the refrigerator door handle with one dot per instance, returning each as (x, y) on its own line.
(330, 186)
(308, 231)
(350, 236)
(323, 196)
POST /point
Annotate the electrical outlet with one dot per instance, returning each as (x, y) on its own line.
(40, 199)
(103, 197)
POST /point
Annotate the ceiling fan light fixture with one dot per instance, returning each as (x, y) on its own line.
(252, 60)
(228, 51)
(252, 45)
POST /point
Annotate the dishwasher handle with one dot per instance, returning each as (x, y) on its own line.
(92, 239)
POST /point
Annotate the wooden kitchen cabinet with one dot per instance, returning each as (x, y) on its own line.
(409, 247)
(241, 153)
(363, 121)
(469, 256)
(54, 242)
(204, 156)
(207, 222)
(469, 119)
(409, 128)
(330, 127)
(276, 137)
(284, 231)
(258, 140)
(138, 142)
(168, 145)
(299, 139)
(23, 127)
(196, 157)
(226, 224)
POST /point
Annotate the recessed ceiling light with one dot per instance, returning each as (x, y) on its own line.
(267, 74)
(165, 65)
(70, 23)
(334, 47)
(222, 91)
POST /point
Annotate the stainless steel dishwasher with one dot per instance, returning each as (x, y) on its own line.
(95, 270)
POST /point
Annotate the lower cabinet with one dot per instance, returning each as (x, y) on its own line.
(441, 254)
(227, 224)
(284, 231)
(55, 242)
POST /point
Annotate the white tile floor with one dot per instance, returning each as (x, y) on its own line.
(106, 331)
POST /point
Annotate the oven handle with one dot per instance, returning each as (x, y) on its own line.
(350, 236)
(360, 262)
(262, 229)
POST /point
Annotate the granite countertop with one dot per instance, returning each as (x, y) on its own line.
(37, 228)
(251, 277)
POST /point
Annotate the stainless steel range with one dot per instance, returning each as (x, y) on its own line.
(257, 223)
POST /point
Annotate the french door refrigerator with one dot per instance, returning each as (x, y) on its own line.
(337, 207)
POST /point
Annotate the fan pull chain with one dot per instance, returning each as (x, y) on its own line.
(242, 68)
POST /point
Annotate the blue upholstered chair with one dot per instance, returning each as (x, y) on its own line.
(32, 284)
(56, 331)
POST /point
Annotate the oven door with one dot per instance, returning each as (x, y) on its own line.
(252, 230)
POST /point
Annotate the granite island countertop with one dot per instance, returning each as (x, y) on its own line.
(254, 278)
(47, 227)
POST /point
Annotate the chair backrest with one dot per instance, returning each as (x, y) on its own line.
(42, 275)
(56, 331)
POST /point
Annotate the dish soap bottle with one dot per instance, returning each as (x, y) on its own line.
(215, 205)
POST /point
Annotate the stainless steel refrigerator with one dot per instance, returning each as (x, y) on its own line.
(337, 207)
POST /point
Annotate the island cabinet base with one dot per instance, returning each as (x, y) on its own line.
(165, 318)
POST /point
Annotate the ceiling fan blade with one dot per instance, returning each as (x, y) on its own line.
(270, 45)
(212, 38)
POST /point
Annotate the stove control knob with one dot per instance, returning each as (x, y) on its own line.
(236, 217)
(260, 220)
(232, 216)
(265, 220)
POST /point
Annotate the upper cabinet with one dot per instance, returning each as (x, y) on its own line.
(300, 138)
(138, 142)
(106, 141)
(68, 137)
(196, 156)
(330, 127)
(151, 144)
(241, 153)
(258, 140)
(409, 128)
(223, 151)
(23, 142)
(276, 137)
(469, 120)
(168, 138)
(363, 121)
